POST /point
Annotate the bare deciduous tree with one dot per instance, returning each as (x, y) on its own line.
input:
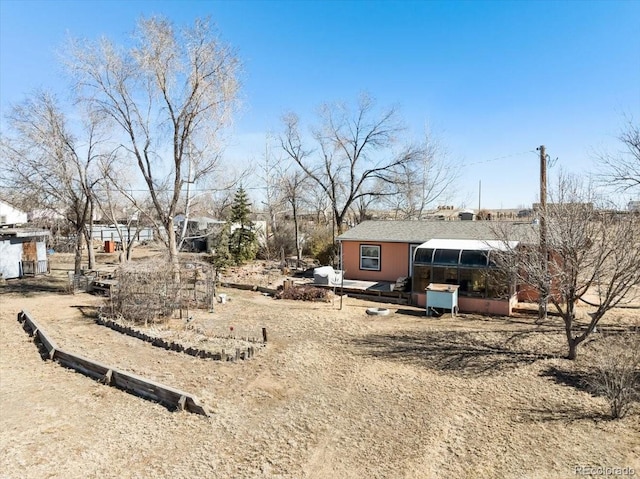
(622, 170)
(171, 93)
(273, 202)
(591, 251)
(354, 151)
(48, 167)
(420, 184)
(319, 204)
(615, 373)
(293, 186)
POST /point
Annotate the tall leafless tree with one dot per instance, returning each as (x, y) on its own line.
(273, 202)
(622, 169)
(171, 93)
(354, 150)
(46, 166)
(591, 251)
(293, 185)
(118, 204)
(418, 185)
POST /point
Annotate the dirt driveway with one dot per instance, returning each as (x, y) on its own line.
(335, 394)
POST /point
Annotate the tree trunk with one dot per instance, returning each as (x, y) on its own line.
(542, 309)
(571, 341)
(77, 267)
(339, 222)
(295, 225)
(88, 236)
(574, 342)
(573, 349)
(543, 304)
(91, 255)
(173, 251)
(129, 250)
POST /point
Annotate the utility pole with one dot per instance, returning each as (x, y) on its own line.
(544, 293)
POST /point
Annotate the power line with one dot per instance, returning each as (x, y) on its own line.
(207, 190)
(482, 162)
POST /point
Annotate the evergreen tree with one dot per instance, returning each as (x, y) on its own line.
(243, 244)
(219, 254)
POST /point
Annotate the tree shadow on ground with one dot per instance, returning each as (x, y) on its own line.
(457, 352)
(582, 381)
(33, 286)
(92, 312)
(579, 380)
(559, 413)
(485, 319)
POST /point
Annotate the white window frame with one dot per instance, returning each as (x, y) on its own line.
(412, 255)
(378, 247)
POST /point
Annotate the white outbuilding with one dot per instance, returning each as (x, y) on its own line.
(10, 215)
(23, 252)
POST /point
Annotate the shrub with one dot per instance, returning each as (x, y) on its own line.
(616, 373)
(321, 247)
(147, 291)
(280, 241)
(303, 293)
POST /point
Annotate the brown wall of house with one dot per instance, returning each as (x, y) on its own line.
(394, 261)
(529, 294)
(475, 305)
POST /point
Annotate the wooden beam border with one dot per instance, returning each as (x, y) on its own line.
(131, 383)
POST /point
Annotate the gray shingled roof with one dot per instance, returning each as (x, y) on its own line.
(415, 231)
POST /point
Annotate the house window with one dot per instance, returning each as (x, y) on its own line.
(473, 258)
(498, 284)
(446, 256)
(424, 256)
(370, 257)
(445, 275)
(473, 282)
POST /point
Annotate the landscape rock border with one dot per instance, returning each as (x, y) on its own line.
(238, 354)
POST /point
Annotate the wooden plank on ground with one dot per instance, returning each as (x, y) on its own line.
(146, 388)
(378, 299)
(36, 330)
(83, 365)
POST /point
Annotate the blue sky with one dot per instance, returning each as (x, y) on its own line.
(494, 80)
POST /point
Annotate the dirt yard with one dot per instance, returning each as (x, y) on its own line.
(335, 394)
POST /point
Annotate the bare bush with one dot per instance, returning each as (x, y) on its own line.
(281, 241)
(304, 293)
(147, 292)
(616, 373)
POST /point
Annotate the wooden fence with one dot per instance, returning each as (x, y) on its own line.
(131, 383)
(33, 268)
